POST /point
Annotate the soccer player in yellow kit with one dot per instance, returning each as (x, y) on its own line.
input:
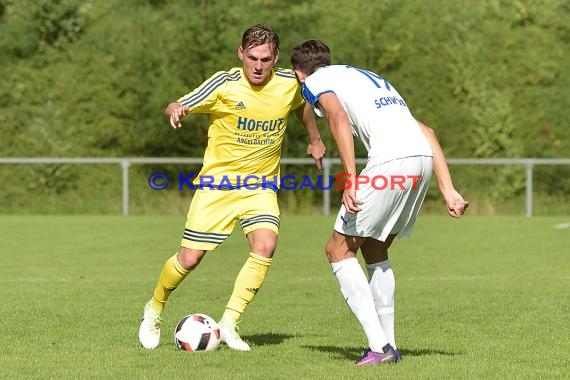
(248, 109)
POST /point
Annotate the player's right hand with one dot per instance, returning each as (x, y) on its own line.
(350, 202)
(317, 150)
(176, 115)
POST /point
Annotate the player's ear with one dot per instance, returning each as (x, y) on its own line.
(240, 53)
(300, 76)
(276, 57)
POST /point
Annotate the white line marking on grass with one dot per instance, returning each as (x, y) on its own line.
(562, 226)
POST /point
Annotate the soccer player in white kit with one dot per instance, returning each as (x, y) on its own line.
(384, 200)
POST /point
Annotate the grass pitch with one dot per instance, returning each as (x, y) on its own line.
(481, 297)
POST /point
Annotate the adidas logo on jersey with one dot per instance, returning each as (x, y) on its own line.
(240, 106)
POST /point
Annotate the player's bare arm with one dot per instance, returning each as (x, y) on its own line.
(342, 135)
(455, 203)
(175, 113)
(316, 147)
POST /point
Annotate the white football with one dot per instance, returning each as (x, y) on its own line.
(197, 332)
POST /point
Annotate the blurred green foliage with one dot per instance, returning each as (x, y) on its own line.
(91, 78)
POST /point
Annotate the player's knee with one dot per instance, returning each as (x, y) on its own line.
(264, 247)
(332, 252)
(189, 258)
(263, 242)
(338, 250)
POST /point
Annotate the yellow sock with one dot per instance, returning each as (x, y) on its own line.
(248, 282)
(171, 276)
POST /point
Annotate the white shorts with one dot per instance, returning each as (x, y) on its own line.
(392, 199)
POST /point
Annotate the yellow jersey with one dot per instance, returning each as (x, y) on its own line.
(247, 124)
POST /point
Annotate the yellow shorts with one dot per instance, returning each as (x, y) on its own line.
(214, 213)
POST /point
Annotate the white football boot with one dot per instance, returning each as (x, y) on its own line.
(149, 332)
(232, 338)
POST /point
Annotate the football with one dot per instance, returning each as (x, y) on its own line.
(197, 332)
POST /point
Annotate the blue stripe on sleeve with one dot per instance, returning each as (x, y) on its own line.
(209, 87)
(310, 97)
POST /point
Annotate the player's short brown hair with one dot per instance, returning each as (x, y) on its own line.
(260, 34)
(309, 55)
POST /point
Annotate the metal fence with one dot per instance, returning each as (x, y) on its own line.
(328, 163)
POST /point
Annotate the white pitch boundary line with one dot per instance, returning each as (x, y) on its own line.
(562, 226)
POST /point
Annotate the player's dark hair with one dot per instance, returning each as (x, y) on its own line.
(309, 55)
(260, 34)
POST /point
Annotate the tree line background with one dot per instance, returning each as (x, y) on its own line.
(91, 78)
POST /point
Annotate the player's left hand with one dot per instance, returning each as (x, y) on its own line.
(317, 150)
(456, 205)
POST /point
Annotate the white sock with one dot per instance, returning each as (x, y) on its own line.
(383, 285)
(359, 298)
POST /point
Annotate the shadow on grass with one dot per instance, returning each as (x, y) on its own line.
(255, 339)
(426, 352)
(355, 352)
(268, 339)
(344, 352)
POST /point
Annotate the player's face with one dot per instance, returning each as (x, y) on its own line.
(257, 63)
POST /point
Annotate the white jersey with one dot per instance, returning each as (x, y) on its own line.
(377, 113)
